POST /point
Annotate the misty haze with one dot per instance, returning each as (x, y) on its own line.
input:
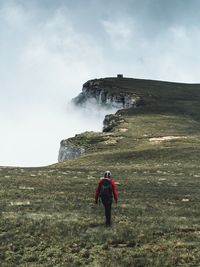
(34, 140)
(48, 49)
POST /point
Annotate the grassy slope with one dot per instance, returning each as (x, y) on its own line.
(47, 214)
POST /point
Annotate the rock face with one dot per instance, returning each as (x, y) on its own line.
(78, 145)
(97, 89)
(69, 151)
(111, 121)
(106, 92)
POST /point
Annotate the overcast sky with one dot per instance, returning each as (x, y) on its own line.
(49, 48)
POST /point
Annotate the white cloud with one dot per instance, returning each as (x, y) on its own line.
(48, 49)
(119, 32)
(173, 55)
(46, 69)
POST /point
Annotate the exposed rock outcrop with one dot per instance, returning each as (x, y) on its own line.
(106, 94)
(69, 151)
(111, 121)
(85, 142)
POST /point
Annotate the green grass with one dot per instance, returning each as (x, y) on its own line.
(48, 216)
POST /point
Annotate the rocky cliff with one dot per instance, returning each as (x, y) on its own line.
(130, 96)
(68, 151)
(104, 92)
(88, 141)
(107, 93)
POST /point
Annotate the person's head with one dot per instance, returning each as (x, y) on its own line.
(107, 174)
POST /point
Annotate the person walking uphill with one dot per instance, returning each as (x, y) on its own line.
(105, 190)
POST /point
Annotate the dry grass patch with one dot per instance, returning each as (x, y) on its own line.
(157, 140)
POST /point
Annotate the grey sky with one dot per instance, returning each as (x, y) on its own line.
(48, 49)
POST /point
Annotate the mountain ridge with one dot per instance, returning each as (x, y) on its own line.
(130, 96)
(48, 215)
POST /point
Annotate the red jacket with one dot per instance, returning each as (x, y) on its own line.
(115, 193)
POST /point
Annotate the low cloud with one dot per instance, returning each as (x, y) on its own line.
(119, 32)
(40, 74)
(48, 49)
(32, 139)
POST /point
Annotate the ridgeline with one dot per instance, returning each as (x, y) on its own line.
(152, 147)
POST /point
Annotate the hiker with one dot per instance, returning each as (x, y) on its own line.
(105, 190)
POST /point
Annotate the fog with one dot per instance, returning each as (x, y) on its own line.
(48, 49)
(32, 139)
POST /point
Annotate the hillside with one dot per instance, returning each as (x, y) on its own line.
(48, 215)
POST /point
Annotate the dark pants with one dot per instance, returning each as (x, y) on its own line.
(107, 202)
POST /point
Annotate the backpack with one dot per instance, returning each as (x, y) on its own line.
(106, 189)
